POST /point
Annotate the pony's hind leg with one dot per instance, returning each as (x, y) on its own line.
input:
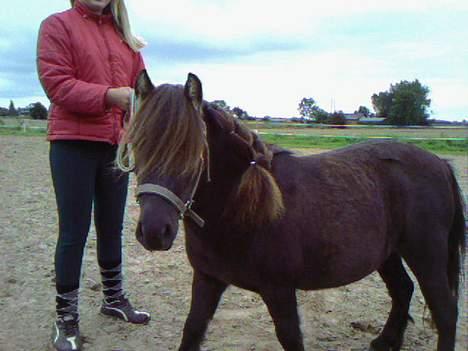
(430, 268)
(400, 288)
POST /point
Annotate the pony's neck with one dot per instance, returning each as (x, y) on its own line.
(223, 176)
(242, 184)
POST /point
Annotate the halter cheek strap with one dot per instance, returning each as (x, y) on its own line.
(185, 209)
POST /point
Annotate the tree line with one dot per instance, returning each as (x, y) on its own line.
(36, 110)
(404, 103)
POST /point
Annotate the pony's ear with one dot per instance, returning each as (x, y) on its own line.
(143, 84)
(193, 91)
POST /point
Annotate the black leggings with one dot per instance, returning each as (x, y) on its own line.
(83, 174)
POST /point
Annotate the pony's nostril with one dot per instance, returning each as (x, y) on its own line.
(167, 237)
(167, 233)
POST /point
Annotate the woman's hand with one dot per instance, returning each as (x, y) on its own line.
(119, 97)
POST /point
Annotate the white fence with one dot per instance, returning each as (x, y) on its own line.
(23, 124)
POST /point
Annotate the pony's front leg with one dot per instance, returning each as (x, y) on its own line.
(282, 305)
(206, 292)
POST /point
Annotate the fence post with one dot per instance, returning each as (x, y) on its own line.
(24, 125)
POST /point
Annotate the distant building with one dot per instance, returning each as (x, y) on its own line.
(278, 120)
(371, 120)
(25, 111)
(4, 111)
(353, 118)
(440, 122)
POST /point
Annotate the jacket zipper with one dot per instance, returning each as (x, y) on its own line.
(114, 138)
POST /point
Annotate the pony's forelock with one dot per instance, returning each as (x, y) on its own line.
(167, 134)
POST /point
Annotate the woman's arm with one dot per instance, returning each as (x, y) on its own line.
(138, 66)
(57, 73)
(119, 97)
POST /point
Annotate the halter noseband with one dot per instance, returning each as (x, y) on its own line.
(185, 209)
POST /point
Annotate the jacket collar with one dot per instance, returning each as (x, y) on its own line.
(85, 12)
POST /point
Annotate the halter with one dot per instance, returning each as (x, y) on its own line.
(126, 163)
(185, 209)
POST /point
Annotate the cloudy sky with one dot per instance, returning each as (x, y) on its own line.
(265, 56)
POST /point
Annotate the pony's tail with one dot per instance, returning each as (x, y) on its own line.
(456, 240)
(258, 197)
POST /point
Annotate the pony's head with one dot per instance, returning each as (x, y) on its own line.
(169, 141)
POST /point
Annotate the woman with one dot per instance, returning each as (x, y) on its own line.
(88, 62)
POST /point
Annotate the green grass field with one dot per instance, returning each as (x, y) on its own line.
(360, 130)
(448, 140)
(304, 142)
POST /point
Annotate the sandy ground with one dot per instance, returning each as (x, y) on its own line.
(341, 319)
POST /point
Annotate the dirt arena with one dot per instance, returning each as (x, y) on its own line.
(341, 319)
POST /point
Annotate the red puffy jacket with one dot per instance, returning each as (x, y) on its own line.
(80, 56)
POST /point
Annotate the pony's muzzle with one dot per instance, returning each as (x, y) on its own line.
(154, 239)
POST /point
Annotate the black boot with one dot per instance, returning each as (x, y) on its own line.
(66, 331)
(115, 303)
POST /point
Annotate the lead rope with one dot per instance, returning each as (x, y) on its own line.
(206, 156)
(125, 160)
(197, 182)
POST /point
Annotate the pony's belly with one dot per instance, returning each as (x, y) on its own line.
(314, 282)
(243, 279)
(231, 271)
(346, 265)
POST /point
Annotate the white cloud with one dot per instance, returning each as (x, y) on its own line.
(273, 84)
(4, 84)
(221, 22)
(448, 94)
(264, 55)
(241, 20)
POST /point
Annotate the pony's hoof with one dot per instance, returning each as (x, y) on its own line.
(385, 348)
(380, 344)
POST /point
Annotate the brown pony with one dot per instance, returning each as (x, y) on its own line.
(275, 222)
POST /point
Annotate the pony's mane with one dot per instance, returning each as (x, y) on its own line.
(258, 199)
(258, 151)
(167, 134)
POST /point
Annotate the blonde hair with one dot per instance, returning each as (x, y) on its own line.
(120, 15)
